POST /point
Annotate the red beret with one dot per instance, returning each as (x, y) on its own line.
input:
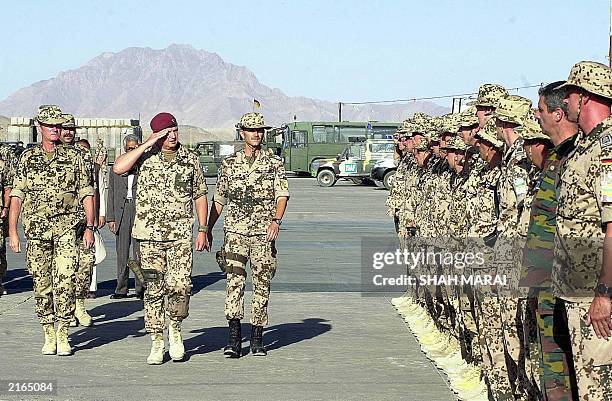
(162, 121)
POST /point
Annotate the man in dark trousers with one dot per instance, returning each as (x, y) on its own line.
(120, 212)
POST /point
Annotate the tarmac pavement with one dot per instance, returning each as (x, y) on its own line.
(325, 340)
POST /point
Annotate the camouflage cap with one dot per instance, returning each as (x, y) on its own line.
(434, 129)
(50, 114)
(422, 146)
(489, 134)
(450, 123)
(455, 143)
(405, 127)
(420, 123)
(252, 121)
(531, 129)
(70, 121)
(593, 77)
(513, 109)
(489, 95)
(468, 117)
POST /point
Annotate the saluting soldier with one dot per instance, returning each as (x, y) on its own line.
(170, 183)
(50, 183)
(253, 186)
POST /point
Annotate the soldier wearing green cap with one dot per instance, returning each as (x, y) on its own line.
(253, 186)
(50, 184)
(582, 269)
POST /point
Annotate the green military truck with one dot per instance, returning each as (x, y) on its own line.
(354, 163)
(212, 154)
(302, 144)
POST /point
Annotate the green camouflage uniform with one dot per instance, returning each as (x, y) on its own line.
(51, 190)
(546, 345)
(250, 193)
(167, 189)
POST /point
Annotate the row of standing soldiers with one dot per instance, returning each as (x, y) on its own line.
(530, 190)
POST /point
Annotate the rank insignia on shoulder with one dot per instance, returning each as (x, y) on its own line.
(606, 140)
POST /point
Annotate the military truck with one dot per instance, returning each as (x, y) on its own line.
(354, 163)
(212, 154)
(300, 144)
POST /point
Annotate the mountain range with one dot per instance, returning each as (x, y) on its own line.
(197, 86)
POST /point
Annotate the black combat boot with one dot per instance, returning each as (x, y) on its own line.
(233, 349)
(257, 347)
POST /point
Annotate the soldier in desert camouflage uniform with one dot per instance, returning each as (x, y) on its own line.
(9, 160)
(170, 182)
(86, 255)
(483, 212)
(394, 198)
(253, 186)
(511, 113)
(582, 269)
(50, 183)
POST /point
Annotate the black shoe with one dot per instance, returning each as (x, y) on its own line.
(233, 349)
(118, 296)
(257, 347)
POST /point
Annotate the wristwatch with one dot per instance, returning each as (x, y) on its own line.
(603, 289)
(278, 221)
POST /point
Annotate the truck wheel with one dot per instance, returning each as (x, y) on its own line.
(389, 179)
(326, 178)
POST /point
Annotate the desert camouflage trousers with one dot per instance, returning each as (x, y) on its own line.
(592, 356)
(239, 249)
(84, 271)
(492, 346)
(173, 261)
(3, 235)
(52, 265)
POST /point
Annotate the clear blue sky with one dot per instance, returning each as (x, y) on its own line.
(349, 50)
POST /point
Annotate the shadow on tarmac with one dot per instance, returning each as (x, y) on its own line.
(199, 282)
(22, 283)
(213, 339)
(107, 327)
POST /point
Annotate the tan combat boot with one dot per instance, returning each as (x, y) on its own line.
(177, 349)
(63, 346)
(81, 314)
(156, 357)
(50, 347)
